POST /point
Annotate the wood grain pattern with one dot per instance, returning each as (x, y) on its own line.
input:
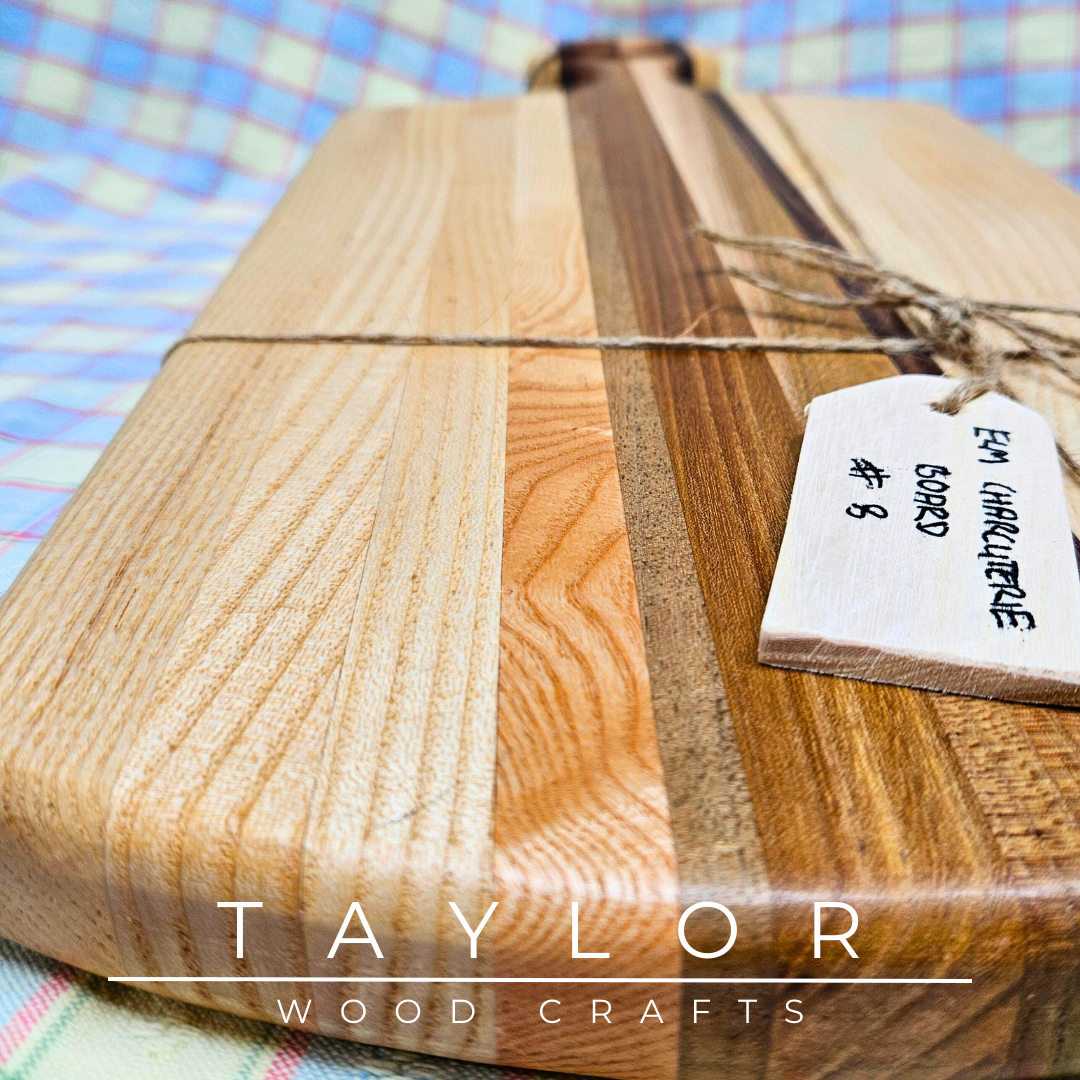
(405, 626)
(733, 438)
(944, 207)
(579, 789)
(402, 817)
(924, 167)
(731, 197)
(72, 711)
(236, 724)
(714, 831)
(579, 771)
(354, 234)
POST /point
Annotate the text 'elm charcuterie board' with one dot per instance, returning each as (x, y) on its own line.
(406, 627)
(928, 549)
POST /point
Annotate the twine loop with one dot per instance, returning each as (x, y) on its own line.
(949, 325)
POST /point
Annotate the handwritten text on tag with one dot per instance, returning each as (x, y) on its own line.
(928, 550)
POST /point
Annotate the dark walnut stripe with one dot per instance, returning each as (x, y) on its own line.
(856, 788)
(712, 819)
(880, 322)
(712, 816)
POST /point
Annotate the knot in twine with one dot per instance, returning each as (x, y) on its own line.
(948, 325)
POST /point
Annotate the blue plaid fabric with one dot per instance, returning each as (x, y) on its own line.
(141, 144)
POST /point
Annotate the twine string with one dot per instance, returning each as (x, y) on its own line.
(632, 343)
(949, 325)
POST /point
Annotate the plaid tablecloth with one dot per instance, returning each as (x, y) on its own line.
(141, 144)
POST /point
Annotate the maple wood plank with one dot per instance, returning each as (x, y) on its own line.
(412, 625)
(76, 682)
(403, 816)
(237, 720)
(349, 245)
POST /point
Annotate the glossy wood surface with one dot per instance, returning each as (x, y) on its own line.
(407, 626)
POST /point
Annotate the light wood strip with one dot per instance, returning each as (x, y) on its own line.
(75, 683)
(551, 288)
(401, 817)
(235, 730)
(402, 814)
(349, 246)
(579, 790)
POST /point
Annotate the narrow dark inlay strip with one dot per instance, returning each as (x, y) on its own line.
(880, 322)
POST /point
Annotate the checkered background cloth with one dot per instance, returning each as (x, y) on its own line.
(141, 144)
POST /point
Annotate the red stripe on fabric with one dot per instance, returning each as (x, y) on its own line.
(288, 1057)
(18, 1029)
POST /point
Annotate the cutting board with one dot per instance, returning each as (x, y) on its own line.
(405, 626)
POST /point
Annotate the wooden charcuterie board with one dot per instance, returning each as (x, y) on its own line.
(405, 626)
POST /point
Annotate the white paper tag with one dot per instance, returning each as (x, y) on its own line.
(928, 550)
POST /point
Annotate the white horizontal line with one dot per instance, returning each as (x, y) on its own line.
(420, 979)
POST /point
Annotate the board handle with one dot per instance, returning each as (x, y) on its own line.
(555, 70)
